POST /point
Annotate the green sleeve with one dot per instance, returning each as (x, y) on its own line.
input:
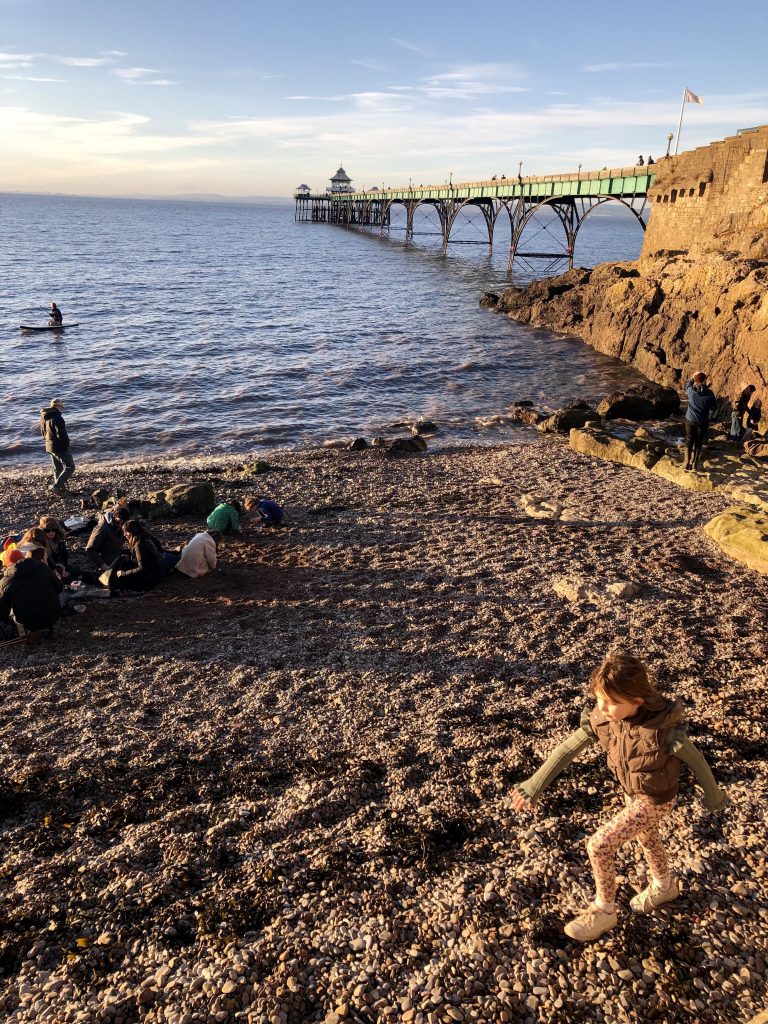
(681, 747)
(557, 762)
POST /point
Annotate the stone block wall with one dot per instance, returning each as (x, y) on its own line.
(712, 199)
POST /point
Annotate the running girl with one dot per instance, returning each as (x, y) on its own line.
(644, 739)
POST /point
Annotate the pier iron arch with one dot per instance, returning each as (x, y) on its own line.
(559, 204)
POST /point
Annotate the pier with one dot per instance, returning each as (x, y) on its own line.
(565, 200)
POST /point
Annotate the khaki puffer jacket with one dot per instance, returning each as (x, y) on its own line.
(637, 749)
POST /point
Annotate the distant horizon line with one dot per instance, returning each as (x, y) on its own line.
(179, 197)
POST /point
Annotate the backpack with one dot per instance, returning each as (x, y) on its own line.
(271, 513)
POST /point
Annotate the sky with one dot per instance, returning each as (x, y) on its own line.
(244, 98)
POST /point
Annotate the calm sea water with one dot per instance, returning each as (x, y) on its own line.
(211, 327)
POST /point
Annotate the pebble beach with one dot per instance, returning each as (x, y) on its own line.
(281, 793)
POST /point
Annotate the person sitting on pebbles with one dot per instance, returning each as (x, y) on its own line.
(200, 556)
(643, 736)
(226, 516)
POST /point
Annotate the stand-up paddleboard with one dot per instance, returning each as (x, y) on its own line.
(51, 327)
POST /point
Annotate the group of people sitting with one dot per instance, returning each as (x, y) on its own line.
(39, 585)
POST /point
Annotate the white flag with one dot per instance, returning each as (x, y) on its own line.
(691, 97)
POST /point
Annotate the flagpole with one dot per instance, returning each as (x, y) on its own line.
(680, 122)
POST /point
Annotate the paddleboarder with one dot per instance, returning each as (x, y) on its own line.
(56, 316)
(54, 430)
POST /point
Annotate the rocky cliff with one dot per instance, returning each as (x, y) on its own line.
(697, 297)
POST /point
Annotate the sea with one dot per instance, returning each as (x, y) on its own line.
(211, 327)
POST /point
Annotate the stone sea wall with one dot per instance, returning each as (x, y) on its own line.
(697, 297)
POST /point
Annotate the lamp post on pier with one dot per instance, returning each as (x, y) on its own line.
(670, 136)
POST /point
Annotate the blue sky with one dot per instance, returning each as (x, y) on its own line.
(242, 98)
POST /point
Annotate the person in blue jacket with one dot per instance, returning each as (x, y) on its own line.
(701, 404)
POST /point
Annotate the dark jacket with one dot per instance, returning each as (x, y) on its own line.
(148, 568)
(742, 402)
(53, 430)
(31, 591)
(638, 749)
(58, 552)
(106, 541)
(701, 403)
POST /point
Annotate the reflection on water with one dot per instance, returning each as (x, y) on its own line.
(209, 327)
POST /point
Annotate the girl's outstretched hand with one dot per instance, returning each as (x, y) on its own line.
(519, 802)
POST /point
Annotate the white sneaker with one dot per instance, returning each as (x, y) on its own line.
(591, 923)
(652, 897)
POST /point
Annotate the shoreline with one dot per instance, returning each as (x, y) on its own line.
(283, 790)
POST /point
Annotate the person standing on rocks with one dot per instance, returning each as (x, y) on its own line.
(701, 404)
(54, 430)
(739, 411)
(643, 736)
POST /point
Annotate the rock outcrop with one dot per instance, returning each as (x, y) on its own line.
(681, 314)
(697, 299)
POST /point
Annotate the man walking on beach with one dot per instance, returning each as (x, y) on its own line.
(54, 430)
(701, 405)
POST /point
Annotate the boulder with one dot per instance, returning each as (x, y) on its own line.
(403, 445)
(601, 444)
(257, 468)
(490, 300)
(742, 533)
(522, 412)
(565, 420)
(424, 427)
(183, 499)
(358, 445)
(539, 508)
(640, 402)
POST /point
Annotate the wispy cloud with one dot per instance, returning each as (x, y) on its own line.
(141, 76)
(32, 78)
(471, 80)
(372, 65)
(17, 60)
(404, 44)
(85, 62)
(618, 65)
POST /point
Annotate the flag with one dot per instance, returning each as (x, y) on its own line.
(691, 97)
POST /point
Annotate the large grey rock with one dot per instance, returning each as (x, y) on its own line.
(565, 420)
(183, 499)
(640, 402)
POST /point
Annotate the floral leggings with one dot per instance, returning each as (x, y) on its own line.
(638, 820)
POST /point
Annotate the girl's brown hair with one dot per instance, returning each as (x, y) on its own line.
(624, 676)
(34, 536)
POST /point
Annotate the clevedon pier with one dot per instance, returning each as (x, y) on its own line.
(559, 203)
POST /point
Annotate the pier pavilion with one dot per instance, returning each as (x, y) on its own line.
(568, 198)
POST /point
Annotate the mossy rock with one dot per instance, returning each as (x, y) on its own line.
(742, 533)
